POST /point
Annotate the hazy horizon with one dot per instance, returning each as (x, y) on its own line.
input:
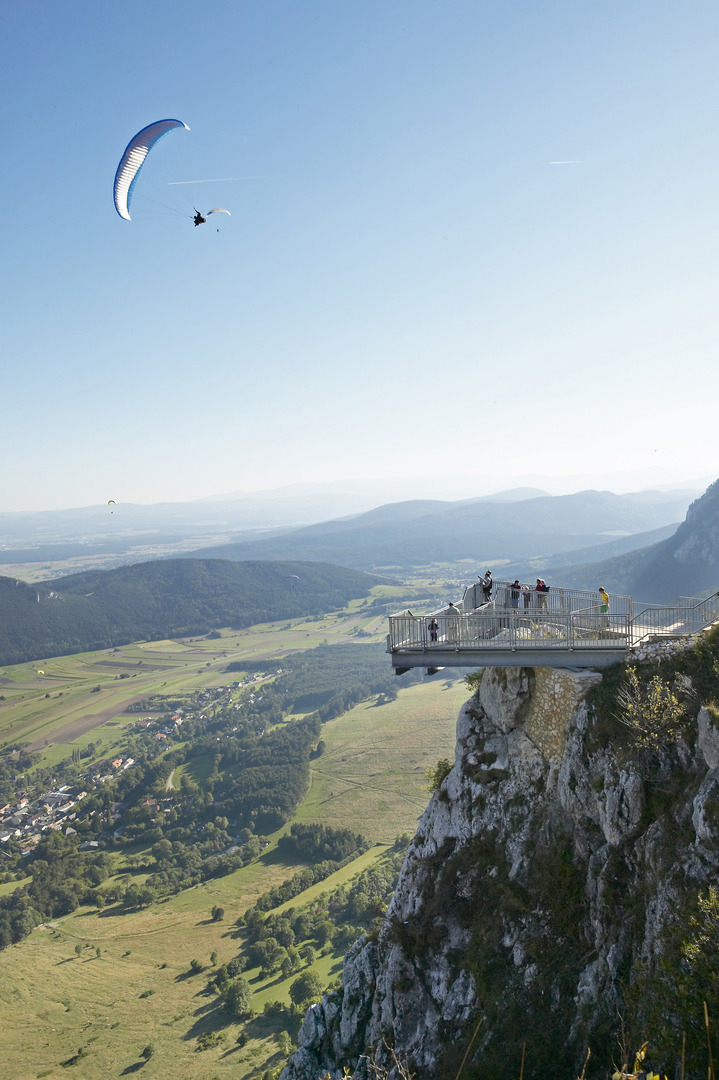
(449, 488)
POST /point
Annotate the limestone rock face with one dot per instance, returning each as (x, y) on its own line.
(698, 538)
(515, 915)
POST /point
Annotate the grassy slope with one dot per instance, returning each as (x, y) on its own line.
(371, 774)
(166, 667)
(370, 778)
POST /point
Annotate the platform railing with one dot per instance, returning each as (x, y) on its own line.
(507, 630)
(557, 599)
(653, 621)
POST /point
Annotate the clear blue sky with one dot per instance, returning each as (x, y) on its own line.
(406, 284)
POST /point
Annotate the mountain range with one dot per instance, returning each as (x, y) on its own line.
(398, 536)
(683, 564)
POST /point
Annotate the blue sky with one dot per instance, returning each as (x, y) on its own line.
(406, 285)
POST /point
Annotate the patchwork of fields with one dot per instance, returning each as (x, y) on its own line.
(129, 983)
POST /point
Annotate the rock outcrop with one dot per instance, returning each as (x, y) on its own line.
(543, 875)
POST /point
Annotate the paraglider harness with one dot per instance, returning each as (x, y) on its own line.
(198, 218)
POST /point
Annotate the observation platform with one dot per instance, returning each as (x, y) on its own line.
(558, 628)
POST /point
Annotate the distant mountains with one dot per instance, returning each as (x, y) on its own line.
(402, 535)
(684, 564)
(167, 598)
(59, 534)
(100, 536)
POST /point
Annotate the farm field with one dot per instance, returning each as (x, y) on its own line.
(138, 989)
(60, 703)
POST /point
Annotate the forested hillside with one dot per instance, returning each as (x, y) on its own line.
(165, 598)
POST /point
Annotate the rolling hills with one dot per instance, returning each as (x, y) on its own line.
(164, 598)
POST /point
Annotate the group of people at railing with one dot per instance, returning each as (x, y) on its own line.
(514, 594)
(491, 609)
(522, 597)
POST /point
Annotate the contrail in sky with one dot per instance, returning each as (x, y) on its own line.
(577, 161)
(212, 180)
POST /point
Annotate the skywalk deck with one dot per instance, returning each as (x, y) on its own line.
(560, 628)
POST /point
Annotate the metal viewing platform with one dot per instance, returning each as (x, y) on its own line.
(527, 628)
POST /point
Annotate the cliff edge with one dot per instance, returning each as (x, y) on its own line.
(547, 876)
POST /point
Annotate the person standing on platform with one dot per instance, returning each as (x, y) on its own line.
(452, 623)
(486, 583)
(604, 606)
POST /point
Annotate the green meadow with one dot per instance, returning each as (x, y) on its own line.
(57, 704)
(137, 989)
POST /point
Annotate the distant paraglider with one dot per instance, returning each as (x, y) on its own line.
(200, 220)
(111, 502)
(133, 159)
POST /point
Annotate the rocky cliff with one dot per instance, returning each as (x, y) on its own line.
(545, 881)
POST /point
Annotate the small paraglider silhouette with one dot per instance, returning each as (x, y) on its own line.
(40, 671)
(200, 220)
(111, 502)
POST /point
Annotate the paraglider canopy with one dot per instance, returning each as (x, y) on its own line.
(133, 159)
(219, 210)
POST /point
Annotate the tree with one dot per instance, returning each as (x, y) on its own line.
(238, 998)
(195, 966)
(218, 914)
(285, 1043)
(147, 1052)
(213, 957)
(306, 987)
(435, 774)
(324, 931)
(137, 896)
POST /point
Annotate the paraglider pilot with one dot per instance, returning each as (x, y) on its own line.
(198, 218)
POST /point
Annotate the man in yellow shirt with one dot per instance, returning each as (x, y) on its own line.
(604, 605)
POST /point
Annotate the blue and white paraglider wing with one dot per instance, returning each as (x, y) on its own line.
(134, 158)
(219, 210)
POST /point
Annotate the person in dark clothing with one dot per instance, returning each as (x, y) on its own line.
(433, 630)
(514, 590)
(198, 218)
(486, 583)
